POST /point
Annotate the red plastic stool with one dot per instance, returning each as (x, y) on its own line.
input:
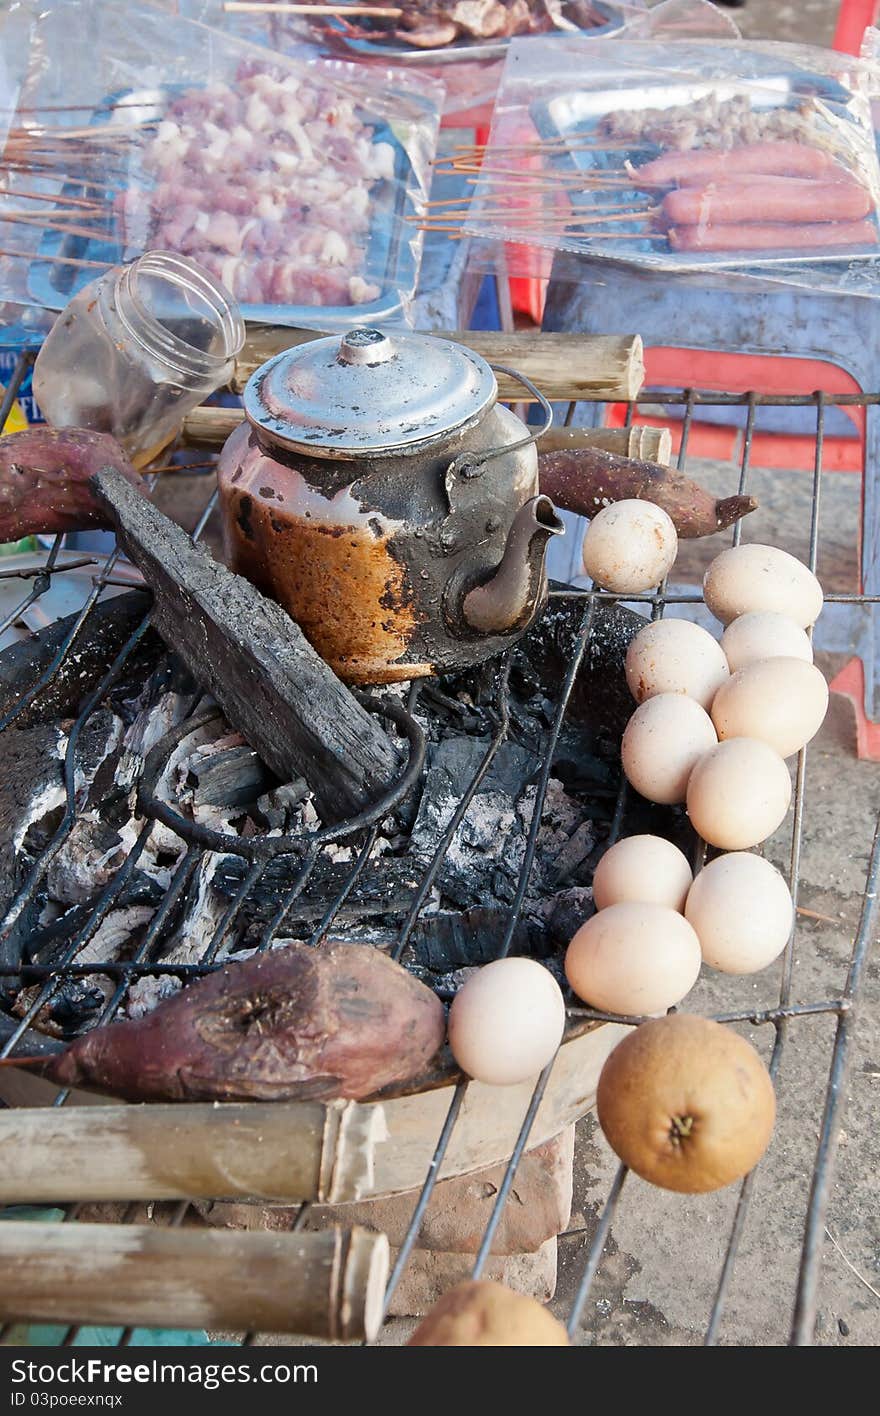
(853, 19)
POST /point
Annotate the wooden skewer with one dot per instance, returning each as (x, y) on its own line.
(91, 134)
(250, 7)
(457, 233)
(56, 199)
(513, 216)
(30, 218)
(595, 212)
(55, 260)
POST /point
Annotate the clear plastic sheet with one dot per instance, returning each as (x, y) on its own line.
(788, 187)
(470, 72)
(293, 181)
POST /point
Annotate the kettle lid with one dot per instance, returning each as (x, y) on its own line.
(369, 392)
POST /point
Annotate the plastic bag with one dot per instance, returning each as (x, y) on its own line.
(292, 181)
(470, 69)
(683, 156)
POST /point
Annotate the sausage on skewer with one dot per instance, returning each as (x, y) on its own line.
(772, 236)
(735, 202)
(784, 159)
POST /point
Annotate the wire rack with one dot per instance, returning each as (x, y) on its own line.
(300, 861)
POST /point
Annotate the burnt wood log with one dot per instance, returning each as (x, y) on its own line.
(255, 660)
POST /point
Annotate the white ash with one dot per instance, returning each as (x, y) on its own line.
(47, 799)
(115, 935)
(147, 992)
(154, 721)
(86, 862)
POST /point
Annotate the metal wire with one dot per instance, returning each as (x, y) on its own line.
(297, 857)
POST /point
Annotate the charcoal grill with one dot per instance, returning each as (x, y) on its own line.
(840, 1010)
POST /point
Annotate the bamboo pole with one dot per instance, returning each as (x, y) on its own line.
(328, 1284)
(283, 1153)
(642, 442)
(212, 426)
(564, 366)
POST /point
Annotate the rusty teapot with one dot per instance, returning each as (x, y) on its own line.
(380, 493)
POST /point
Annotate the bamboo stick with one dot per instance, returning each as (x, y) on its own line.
(641, 441)
(328, 1284)
(285, 1154)
(564, 366)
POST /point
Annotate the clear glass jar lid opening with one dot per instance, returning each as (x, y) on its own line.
(179, 314)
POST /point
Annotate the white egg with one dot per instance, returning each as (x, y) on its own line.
(781, 701)
(752, 578)
(742, 911)
(738, 794)
(764, 635)
(675, 656)
(630, 546)
(662, 742)
(633, 959)
(645, 870)
(506, 1022)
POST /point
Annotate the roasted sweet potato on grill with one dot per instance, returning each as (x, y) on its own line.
(45, 480)
(295, 1024)
(583, 479)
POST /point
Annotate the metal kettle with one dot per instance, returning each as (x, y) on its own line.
(380, 493)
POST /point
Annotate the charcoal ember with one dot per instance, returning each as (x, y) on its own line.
(277, 810)
(164, 703)
(569, 911)
(48, 941)
(453, 939)
(88, 859)
(31, 790)
(95, 647)
(384, 888)
(202, 910)
(490, 835)
(600, 701)
(572, 855)
(96, 746)
(225, 773)
(76, 1003)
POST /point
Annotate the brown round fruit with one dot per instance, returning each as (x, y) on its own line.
(686, 1103)
(484, 1314)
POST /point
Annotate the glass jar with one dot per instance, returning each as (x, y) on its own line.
(137, 349)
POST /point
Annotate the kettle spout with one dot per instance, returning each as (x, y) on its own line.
(513, 594)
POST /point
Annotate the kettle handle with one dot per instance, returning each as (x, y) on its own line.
(471, 464)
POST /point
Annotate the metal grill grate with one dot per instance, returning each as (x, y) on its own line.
(300, 858)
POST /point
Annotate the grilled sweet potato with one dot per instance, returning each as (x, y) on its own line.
(298, 1023)
(584, 479)
(45, 484)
